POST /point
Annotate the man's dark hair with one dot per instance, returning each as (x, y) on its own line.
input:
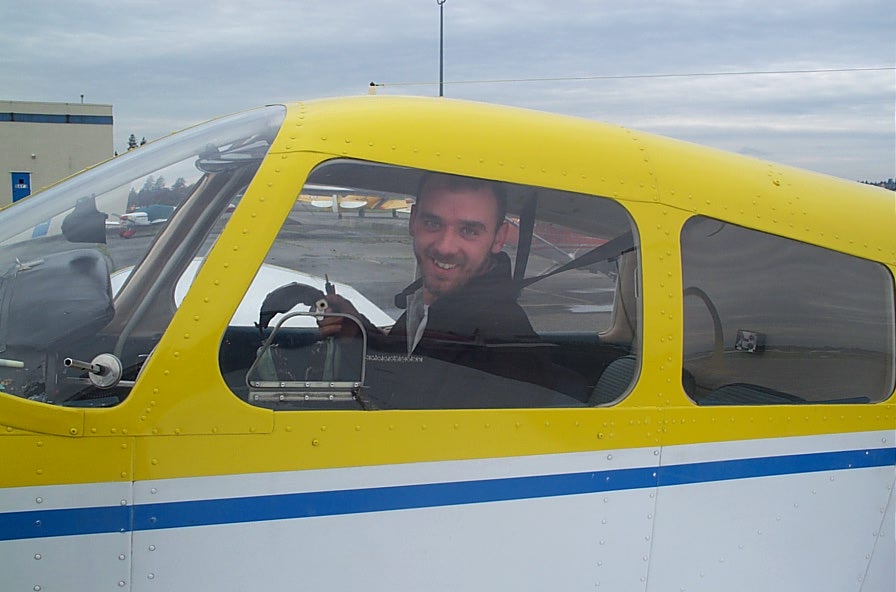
(458, 182)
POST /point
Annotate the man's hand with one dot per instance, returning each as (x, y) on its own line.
(339, 326)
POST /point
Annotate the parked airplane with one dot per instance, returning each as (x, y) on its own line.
(342, 199)
(143, 216)
(710, 407)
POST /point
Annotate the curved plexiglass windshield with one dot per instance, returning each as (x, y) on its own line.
(88, 268)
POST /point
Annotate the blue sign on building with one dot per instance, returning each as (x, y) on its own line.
(21, 185)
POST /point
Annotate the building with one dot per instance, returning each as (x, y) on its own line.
(41, 143)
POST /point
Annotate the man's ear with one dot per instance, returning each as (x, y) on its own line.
(500, 237)
(411, 219)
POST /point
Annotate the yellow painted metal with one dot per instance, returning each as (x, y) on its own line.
(31, 460)
(39, 417)
(185, 422)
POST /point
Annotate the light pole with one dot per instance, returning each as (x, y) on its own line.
(441, 4)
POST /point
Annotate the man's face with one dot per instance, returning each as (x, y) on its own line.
(455, 232)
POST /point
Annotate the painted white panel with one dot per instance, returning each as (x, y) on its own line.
(881, 576)
(811, 531)
(575, 542)
(51, 497)
(83, 562)
(89, 563)
(565, 542)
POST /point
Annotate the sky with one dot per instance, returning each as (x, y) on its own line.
(808, 83)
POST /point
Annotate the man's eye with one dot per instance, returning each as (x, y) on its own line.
(469, 231)
(431, 224)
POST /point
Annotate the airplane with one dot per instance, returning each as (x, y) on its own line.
(143, 216)
(715, 411)
(342, 199)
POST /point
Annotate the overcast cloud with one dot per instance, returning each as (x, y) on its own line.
(164, 65)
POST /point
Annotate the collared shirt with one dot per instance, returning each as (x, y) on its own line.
(417, 315)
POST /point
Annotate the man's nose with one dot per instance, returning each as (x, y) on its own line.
(447, 242)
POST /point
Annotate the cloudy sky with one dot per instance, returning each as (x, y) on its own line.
(821, 93)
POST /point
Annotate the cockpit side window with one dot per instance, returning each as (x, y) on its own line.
(770, 320)
(448, 292)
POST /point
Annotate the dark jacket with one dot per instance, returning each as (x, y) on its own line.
(482, 326)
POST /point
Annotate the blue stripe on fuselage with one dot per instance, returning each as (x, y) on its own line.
(185, 514)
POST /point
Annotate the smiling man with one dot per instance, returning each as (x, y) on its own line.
(458, 228)
(463, 309)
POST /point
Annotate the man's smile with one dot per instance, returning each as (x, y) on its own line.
(443, 264)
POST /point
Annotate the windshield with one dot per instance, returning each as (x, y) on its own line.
(88, 267)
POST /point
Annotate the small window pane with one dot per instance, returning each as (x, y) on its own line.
(769, 320)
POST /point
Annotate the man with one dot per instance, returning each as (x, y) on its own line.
(463, 310)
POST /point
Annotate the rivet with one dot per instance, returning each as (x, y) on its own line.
(37, 556)
(39, 500)
(315, 442)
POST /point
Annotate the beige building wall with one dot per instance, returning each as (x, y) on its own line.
(53, 150)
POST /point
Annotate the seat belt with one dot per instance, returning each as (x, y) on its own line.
(611, 249)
